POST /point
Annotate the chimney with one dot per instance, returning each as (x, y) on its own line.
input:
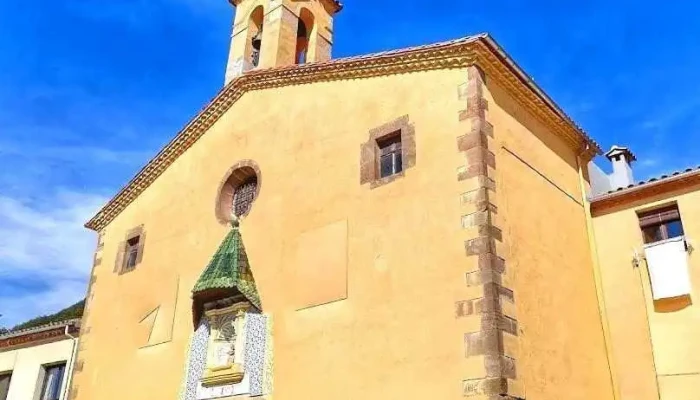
(621, 158)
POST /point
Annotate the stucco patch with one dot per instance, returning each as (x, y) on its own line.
(320, 273)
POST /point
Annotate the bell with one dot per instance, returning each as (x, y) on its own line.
(257, 39)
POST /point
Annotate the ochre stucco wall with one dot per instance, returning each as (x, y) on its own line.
(396, 335)
(26, 363)
(648, 338)
(562, 351)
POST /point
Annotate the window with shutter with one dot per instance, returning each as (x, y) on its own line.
(661, 224)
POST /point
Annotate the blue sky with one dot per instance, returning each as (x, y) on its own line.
(91, 89)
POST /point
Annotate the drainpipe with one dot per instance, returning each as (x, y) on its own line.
(596, 272)
(72, 362)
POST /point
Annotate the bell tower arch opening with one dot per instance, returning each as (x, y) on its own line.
(255, 36)
(268, 34)
(305, 33)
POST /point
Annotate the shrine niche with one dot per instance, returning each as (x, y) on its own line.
(230, 352)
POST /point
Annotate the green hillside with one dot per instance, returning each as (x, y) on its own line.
(74, 311)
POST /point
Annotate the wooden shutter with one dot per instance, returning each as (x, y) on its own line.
(659, 216)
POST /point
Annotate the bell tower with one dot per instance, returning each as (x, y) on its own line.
(275, 33)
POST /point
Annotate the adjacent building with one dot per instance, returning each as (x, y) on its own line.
(35, 362)
(645, 236)
(413, 224)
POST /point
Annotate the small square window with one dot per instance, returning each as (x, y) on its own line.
(132, 253)
(661, 224)
(389, 151)
(52, 382)
(390, 157)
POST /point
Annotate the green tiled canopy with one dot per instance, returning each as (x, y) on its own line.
(228, 269)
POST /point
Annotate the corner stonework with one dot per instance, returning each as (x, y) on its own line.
(85, 328)
(488, 309)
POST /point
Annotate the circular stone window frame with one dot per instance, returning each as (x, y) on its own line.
(234, 177)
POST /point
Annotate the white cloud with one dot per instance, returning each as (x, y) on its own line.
(649, 162)
(85, 154)
(45, 240)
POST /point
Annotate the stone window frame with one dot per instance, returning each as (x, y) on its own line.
(235, 176)
(370, 152)
(120, 266)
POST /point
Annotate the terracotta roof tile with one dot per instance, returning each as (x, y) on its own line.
(35, 329)
(659, 178)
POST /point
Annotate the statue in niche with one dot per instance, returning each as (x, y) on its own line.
(222, 366)
(225, 341)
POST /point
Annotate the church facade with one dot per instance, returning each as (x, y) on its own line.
(402, 225)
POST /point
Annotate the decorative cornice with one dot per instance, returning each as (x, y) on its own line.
(237, 308)
(39, 334)
(228, 375)
(461, 53)
(501, 68)
(334, 6)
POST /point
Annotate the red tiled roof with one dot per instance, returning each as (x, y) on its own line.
(40, 334)
(660, 179)
(667, 183)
